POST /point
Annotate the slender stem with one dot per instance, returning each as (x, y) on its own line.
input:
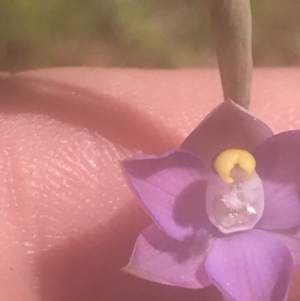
(232, 29)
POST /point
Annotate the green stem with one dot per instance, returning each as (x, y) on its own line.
(232, 29)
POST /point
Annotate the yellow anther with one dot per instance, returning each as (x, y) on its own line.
(228, 159)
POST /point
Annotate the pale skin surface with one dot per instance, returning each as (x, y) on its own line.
(68, 222)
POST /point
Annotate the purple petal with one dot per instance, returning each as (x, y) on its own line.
(278, 165)
(250, 265)
(291, 238)
(160, 258)
(171, 188)
(227, 126)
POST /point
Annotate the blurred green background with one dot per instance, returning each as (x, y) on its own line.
(135, 33)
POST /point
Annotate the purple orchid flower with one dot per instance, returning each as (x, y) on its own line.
(225, 207)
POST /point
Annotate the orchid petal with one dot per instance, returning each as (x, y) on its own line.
(278, 165)
(291, 238)
(250, 265)
(228, 126)
(160, 258)
(171, 188)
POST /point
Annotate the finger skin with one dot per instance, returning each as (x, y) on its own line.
(68, 221)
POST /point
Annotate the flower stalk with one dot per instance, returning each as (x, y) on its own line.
(231, 24)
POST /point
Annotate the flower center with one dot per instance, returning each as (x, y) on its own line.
(234, 196)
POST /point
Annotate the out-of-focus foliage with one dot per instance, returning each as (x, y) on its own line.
(134, 33)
